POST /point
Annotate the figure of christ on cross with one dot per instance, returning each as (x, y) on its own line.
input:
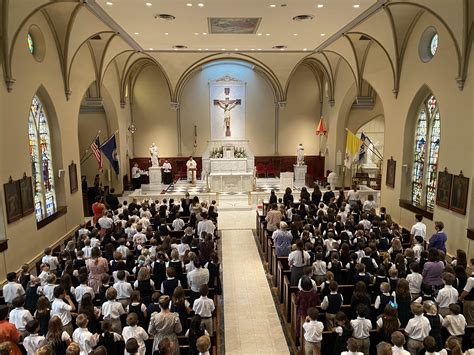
(227, 105)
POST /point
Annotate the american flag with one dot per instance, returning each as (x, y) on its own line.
(94, 147)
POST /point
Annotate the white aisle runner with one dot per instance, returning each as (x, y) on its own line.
(251, 322)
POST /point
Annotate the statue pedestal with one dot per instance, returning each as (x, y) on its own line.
(154, 173)
(286, 180)
(300, 175)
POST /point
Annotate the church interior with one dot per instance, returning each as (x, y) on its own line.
(230, 102)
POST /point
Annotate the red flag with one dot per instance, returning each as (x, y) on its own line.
(321, 130)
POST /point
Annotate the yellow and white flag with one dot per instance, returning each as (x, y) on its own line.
(352, 148)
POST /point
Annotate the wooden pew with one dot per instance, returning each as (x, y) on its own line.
(283, 270)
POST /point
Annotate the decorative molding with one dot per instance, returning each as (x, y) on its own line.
(175, 105)
(281, 104)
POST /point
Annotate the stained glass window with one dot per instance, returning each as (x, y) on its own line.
(425, 165)
(31, 44)
(434, 44)
(41, 161)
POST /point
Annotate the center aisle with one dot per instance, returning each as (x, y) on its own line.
(251, 321)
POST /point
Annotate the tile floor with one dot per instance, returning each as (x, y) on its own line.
(251, 321)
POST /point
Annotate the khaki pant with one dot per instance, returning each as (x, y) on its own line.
(207, 324)
(330, 321)
(468, 311)
(364, 345)
(311, 348)
(414, 346)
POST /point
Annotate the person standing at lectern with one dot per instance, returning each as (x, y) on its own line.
(167, 177)
(191, 166)
(136, 176)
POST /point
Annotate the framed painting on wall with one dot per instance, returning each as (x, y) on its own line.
(459, 194)
(26, 192)
(443, 191)
(391, 170)
(12, 200)
(74, 186)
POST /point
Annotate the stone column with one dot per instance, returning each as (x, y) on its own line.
(278, 105)
(177, 107)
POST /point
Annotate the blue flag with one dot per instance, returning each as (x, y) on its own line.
(109, 149)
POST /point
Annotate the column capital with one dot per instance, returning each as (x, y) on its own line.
(175, 105)
(281, 104)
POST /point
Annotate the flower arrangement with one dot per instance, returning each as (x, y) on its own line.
(240, 153)
(217, 153)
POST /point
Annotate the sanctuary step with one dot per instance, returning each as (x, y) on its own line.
(234, 201)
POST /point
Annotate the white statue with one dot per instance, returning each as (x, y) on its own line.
(332, 180)
(154, 156)
(300, 155)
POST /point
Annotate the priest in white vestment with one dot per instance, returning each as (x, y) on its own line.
(191, 166)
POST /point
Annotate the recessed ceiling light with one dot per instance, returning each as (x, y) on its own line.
(201, 4)
(356, 6)
(323, 34)
(204, 33)
(259, 34)
(206, 49)
(259, 49)
(166, 33)
(150, 49)
(109, 3)
(295, 34)
(272, 5)
(200, 49)
(252, 49)
(148, 4)
(303, 18)
(222, 49)
(236, 49)
(267, 34)
(167, 17)
(189, 4)
(196, 33)
(137, 33)
(320, 5)
(305, 49)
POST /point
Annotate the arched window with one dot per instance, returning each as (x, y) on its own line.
(425, 167)
(41, 161)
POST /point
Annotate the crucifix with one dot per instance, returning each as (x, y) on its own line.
(227, 105)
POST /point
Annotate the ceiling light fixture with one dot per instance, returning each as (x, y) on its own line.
(150, 49)
(236, 49)
(166, 33)
(148, 4)
(204, 33)
(166, 17)
(272, 5)
(189, 4)
(252, 49)
(259, 49)
(196, 34)
(200, 49)
(222, 49)
(295, 34)
(305, 49)
(303, 18)
(109, 3)
(323, 34)
(137, 33)
(267, 34)
(356, 6)
(320, 6)
(259, 34)
(201, 4)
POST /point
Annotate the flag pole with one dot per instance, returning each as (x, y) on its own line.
(108, 139)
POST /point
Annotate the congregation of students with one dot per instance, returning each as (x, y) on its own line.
(404, 288)
(120, 286)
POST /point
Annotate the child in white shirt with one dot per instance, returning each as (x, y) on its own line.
(398, 340)
(361, 328)
(204, 307)
(417, 329)
(415, 280)
(352, 347)
(203, 344)
(135, 331)
(12, 289)
(20, 316)
(455, 322)
(313, 332)
(112, 310)
(86, 340)
(83, 288)
(418, 247)
(44, 273)
(447, 295)
(33, 341)
(48, 289)
(52, 261)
